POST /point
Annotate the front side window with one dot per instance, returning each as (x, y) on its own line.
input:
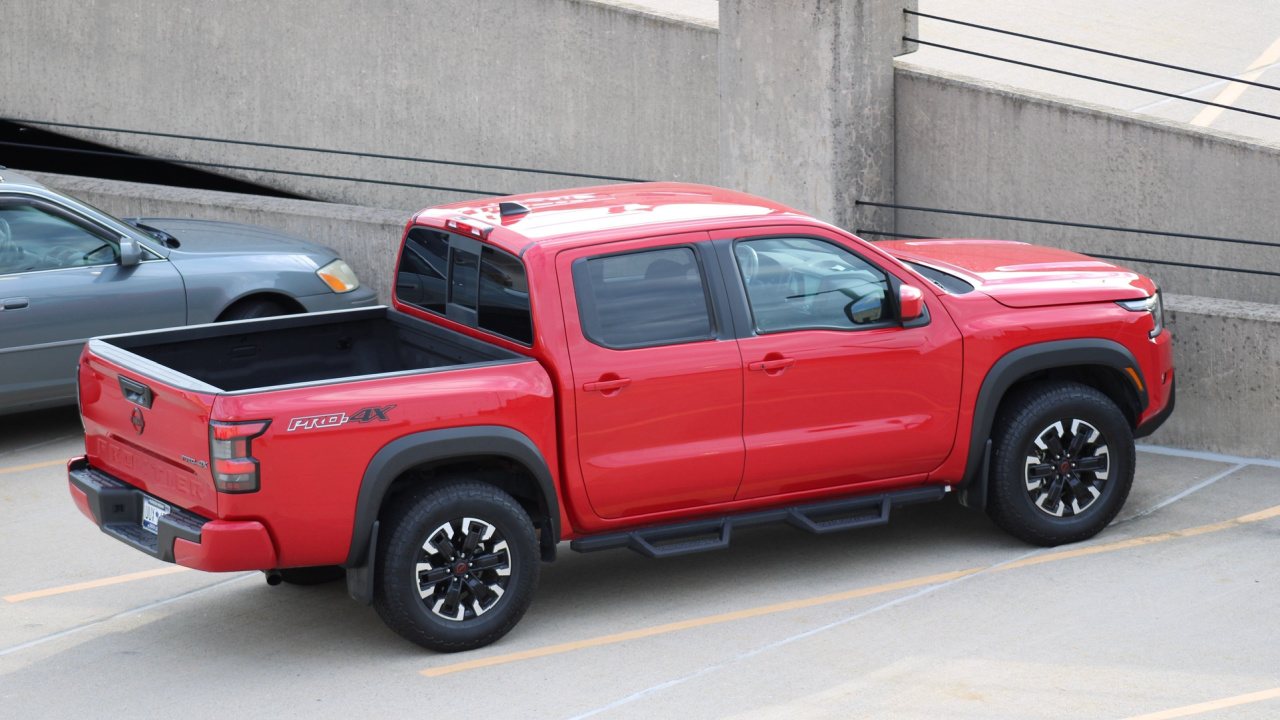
(642, 299)
(32, 239)
(439, 270)
(807, 284)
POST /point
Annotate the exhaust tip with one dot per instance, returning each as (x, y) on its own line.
(274, 577)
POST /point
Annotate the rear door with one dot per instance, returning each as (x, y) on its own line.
(657, 375)
(836, 390)
(62, 283)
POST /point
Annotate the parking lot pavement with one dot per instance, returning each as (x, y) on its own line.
(938, 614)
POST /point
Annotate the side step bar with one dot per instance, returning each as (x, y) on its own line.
(663, 541)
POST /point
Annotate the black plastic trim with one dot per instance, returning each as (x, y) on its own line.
(434, 445)
(117, 508)
(1154, 423)
(714, 533)
(1019, 363)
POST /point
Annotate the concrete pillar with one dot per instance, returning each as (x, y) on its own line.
(806, 103)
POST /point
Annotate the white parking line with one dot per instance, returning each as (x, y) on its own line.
(799, 636)
(126, 613)
(1184, 493)
(1202, 88)
(1212, 457)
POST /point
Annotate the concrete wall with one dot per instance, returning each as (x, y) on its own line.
(576, 85)
(1225, 355)
(367, 238)
(968, 144)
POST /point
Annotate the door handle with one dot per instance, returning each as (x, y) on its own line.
(15, 303)
(772, 365)
(605, 386)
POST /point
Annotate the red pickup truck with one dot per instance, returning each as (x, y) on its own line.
(641, 366)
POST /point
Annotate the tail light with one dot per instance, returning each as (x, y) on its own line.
(231, 450)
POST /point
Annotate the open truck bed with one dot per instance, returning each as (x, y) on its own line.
(257, 355)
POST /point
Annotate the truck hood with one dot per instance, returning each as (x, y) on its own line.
(213, 236)
(1019, 274)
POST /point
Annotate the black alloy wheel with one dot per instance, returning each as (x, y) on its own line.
(463, 569)
(1067, 467)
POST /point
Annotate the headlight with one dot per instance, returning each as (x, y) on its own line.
(1153, 305)
(339, 277)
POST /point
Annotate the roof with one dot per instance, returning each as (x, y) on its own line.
(611, 212)
(12, 179)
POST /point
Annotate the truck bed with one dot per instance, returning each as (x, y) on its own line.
(253, 355)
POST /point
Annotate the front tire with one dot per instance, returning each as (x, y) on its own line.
(458, 566)
(1062, 462)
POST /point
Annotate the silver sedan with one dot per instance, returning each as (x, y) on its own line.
(69, 272)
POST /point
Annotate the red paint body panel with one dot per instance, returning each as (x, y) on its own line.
(695, 432)
(227, 546)
(81, 500)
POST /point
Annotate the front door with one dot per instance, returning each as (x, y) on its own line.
(657, 377)
(60, 284)
(836, 390)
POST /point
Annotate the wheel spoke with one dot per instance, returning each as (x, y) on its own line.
(479, 590)
(491, 561)
(450, 606)
(1054, 443)
(1096, 463)
(434, 576)
(473, 539)
(443, 545)
(1054, 496)
(1076, 444)
(1041, 471)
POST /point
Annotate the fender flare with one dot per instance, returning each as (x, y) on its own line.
(432, 445)
(1016, 365)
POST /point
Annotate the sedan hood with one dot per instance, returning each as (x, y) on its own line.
(212, 236)
(1018, 274)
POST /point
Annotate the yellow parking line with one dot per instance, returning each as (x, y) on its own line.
(32, 466)
(94, 584)
(1205, 707)
(1232, 92)
(837, 597)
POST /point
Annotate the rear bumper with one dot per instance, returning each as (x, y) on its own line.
(182, 537)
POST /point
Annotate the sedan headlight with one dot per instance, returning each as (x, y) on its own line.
(339, 277)
(1153, 305)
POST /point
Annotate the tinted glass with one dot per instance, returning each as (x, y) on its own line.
(464, 277)
(504, 296)
(799, 283)
(654, 297)
(31, 239)
(423, 269)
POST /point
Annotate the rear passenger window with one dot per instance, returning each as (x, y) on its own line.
(504, 297)
(642, 299)
(470, 283)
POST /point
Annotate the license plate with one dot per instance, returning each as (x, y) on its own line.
(152, 511)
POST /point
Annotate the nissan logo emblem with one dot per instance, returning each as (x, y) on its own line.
(139, 423)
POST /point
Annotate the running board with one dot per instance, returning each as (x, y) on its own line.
(684, 538)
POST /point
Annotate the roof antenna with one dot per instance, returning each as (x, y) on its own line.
(512, 209)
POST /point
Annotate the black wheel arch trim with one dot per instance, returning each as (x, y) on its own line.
(435, 445)
(1019, 363)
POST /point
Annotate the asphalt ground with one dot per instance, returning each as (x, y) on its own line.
(1170, 612)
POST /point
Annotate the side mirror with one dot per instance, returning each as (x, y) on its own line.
(130, 252)
(910, 302)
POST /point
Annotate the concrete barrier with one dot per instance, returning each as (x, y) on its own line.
(968, 144)
(367, 238)
(1226, 356)
(598, 87)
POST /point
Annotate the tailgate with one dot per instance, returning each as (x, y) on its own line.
(156, 437)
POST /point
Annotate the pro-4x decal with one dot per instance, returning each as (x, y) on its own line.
(363, 415)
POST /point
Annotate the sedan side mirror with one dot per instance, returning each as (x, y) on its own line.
(910, 302)
(130, 252)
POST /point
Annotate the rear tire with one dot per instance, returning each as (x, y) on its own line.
(254, 308)
(457, 566)
(1062, 462)
(317, 575)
